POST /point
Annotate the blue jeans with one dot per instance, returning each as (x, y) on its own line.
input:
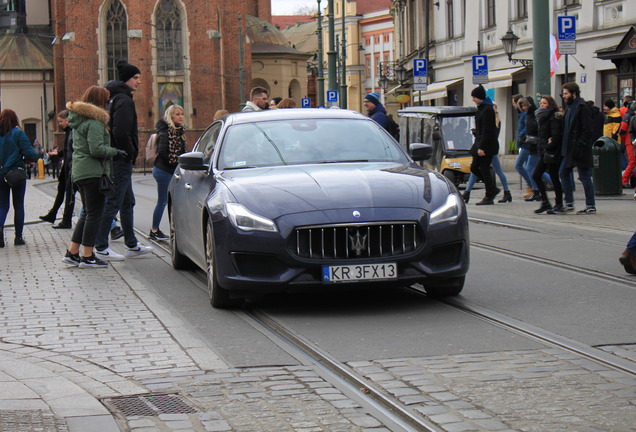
(163, 180)
(631, 244)
(123, 202)
(18, 193)
(496, 165)
(567, 180)
(520, 166)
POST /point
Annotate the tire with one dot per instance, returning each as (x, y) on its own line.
(219, 297)
(447, 288)
(451, 176)
(179, 261)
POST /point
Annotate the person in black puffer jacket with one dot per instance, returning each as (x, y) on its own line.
(170, 144)
(532, 143)
(550, 129)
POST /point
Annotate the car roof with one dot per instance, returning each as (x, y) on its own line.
(292, 114)
(439, 110)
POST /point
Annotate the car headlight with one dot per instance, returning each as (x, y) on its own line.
(448, 212)
(245, 220)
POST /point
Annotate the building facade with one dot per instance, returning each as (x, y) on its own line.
(460, 29)
(187, 51)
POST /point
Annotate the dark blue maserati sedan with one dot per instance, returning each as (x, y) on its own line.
(288, 199)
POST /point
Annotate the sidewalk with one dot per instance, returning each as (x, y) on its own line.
(75, 349)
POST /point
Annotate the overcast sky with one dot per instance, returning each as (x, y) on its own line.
(288, 7)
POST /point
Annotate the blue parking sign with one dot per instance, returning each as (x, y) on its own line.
(419, 67)
(305, 103)
(332, 95)
(567, 28)
(480, 69)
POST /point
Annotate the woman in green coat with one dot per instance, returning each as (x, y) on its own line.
(92, 156)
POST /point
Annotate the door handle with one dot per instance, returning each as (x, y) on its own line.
(188, 186)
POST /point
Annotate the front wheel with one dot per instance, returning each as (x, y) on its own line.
(445, 288)
(219, 296)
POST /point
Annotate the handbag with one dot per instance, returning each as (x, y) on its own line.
(549, 158)
(106, 185)
(532, 140)
(15, 177)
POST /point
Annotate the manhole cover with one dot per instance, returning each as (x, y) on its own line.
(150, 405)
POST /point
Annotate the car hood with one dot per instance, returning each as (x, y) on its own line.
(277, 191)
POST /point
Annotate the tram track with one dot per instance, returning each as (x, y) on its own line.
(387, 408)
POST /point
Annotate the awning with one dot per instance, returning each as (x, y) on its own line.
(502, 77)
(436, 90)
(393, 89)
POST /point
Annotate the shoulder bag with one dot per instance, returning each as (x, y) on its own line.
(106, 185)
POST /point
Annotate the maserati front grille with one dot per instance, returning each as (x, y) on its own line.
(351, 241)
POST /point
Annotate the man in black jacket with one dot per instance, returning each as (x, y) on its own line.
(486, 144)
(576, 148)
(123, 127)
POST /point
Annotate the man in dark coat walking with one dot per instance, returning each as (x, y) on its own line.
(123, 127)
(486, 144)
(576, 148)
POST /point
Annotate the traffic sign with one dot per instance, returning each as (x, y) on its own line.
(305, 103)
(567, 35)
(332, 95)
(480, 69)
(420, 87)
(419, 67)
(567, 27)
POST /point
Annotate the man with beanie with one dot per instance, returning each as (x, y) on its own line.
(486, 144)
(123, 128)
(375, 109)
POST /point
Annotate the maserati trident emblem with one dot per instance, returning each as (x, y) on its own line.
(356, 214)
(358, 242)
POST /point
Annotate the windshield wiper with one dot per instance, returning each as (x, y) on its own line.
(344, 161)
(238, 167)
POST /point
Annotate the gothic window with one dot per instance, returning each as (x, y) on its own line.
(169, 45)
(116, 37)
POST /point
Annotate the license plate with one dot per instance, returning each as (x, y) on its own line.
(361, 272)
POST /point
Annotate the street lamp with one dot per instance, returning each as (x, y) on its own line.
(509, 41)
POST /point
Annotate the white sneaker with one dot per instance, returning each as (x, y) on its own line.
(108, 255)
(137, 251)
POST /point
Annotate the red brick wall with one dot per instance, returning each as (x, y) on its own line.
(214, 62)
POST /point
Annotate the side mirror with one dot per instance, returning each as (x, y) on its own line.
(420, 152)
(192, 161)
(437, 136)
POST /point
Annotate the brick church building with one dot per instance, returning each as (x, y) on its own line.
(187, 51)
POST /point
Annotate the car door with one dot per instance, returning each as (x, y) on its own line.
(196, 186)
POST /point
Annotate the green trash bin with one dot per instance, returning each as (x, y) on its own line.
(607, 167)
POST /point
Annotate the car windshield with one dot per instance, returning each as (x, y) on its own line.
(457, 132)
(306, 141)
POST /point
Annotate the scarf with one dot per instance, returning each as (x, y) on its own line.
(176, 142)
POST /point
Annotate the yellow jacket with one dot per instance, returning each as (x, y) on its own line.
(612, 123)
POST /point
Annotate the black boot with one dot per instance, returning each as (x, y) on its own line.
(486, 201)
(466, 196)
(507, 197)
(545, 206)
(48, 218)
(536, 196)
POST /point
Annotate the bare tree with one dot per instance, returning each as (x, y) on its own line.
(306, 10)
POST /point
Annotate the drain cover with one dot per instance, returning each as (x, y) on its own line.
(150, 405)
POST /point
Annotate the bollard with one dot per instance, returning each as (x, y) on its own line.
(40, 168)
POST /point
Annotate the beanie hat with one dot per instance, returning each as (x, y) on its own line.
(479, 92)
(609, 103)
(126, 71)
(373, 97)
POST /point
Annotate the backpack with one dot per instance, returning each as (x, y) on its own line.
(393, 128)
(151, 149)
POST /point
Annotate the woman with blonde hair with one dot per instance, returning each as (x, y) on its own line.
(171, 143)
(92, 156)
